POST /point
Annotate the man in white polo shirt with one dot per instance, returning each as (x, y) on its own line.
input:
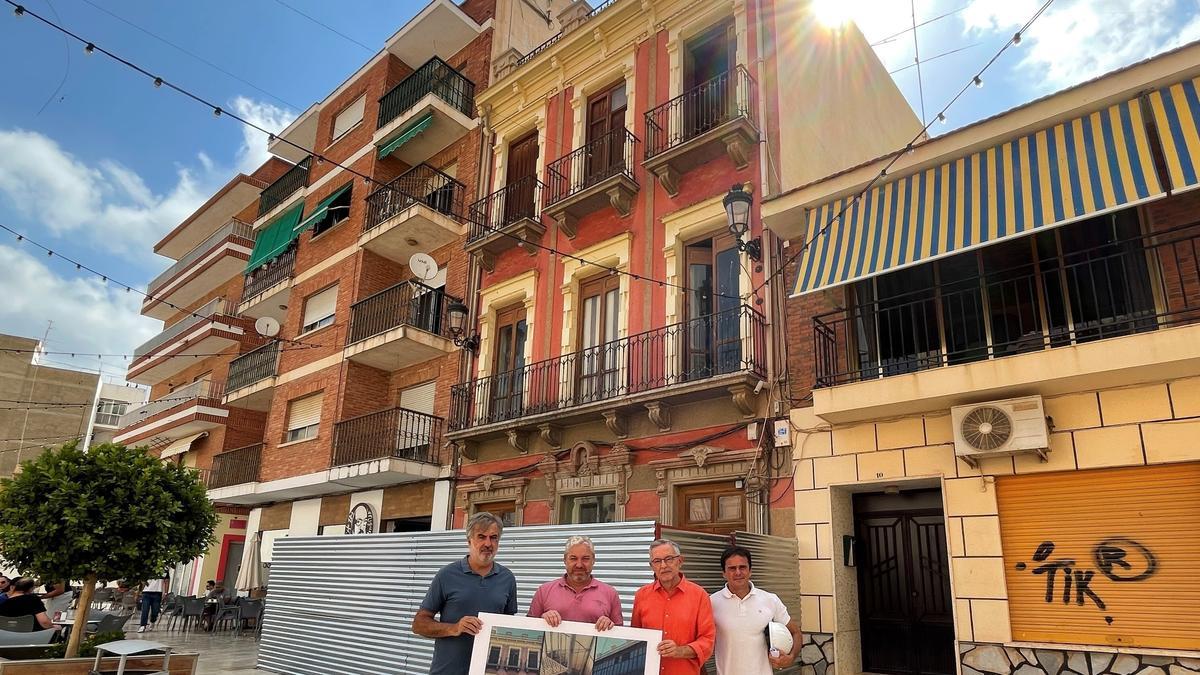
(742, 611)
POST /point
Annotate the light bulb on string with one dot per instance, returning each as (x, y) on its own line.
(89, 49)
(158, 82)
(942, 117)
(978, 82)
(18, 10)
(216, 112)
(1016, 38)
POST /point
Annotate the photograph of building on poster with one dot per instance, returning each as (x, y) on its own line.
(571, 649)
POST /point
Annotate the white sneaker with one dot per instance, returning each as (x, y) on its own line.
(141, 629)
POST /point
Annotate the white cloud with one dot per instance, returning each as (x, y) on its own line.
(88, 315)
(253, 151)
(44, 182)
(1081, 39)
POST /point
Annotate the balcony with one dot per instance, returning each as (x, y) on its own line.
(211, 263)
(596, 175)
(388, 447)
(699, 125)
(210, 330)
(507, 218)
(399, 327)
(278, 195)
(251, 380)
(268, 288)
(1119, 313)
(231, 468)
(184, 412)
(714, 355)
(427, 111)
(420, 211)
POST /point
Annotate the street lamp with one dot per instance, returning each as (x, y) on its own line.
(458, 322)
(737, 214)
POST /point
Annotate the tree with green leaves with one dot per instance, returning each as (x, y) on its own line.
(110, 512)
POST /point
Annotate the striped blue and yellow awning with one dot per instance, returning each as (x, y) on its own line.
(1075, 169)
(1177, 116)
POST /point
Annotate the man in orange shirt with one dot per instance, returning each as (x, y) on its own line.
(679, 608)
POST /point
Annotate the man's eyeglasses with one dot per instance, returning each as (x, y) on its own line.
(655, 562)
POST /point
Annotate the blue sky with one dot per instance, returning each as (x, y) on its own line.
(101, 166)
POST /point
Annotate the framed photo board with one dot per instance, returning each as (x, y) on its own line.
(521, 644)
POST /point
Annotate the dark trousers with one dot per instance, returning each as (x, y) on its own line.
(151, 603)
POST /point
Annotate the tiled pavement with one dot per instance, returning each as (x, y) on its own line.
(222, 653)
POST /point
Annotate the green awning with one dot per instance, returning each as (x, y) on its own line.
(322, 208)
(275, 237)
(408, 134)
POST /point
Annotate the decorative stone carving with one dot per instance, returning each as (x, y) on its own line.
(486, 260)
(566, 224)
(621, 200)
(660, 486)
(584, 471)
(615, 422)
(492, 488)
(516, 439)
(738, 151)
(668, 178)
(705, 463)
(744, 399)
(551, 435)
(660, 415)
(504, 63)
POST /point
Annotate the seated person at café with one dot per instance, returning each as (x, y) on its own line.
(213, 600)
(22, 601)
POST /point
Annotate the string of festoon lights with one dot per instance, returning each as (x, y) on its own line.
(91, 47)
(976, 81)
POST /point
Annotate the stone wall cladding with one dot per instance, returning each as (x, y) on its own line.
(816, 656)
(978, 659)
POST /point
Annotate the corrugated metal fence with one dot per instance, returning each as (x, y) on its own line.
(345, 604)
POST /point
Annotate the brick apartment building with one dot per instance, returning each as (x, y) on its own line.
(996, 462)
(304, 367)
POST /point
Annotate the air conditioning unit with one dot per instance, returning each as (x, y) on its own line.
(1000, 428)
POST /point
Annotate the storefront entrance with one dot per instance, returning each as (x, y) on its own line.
(905, 606)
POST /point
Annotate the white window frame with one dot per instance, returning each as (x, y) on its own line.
(361, 103)
(312, 323)
(295, 434)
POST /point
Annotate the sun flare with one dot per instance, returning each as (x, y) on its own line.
(832, 13)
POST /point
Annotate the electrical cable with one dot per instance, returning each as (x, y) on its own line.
(128, 289)
(896, 155)
(199, 58)
(327, 27)
(217, 111)
(926, 22)
(916, 64)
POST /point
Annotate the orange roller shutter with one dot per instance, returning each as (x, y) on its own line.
(1104, 557)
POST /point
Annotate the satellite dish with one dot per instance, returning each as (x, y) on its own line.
(423, 266)
(267, 326)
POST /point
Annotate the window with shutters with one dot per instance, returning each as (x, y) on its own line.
(532, 660)
(419, 397)
(348, 118)
(319, 309)
(304, 418)
(337, 212)
(493, 656)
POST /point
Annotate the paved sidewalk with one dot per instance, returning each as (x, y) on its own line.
(222, 653)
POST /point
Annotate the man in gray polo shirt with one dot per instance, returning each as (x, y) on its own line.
(460, 591)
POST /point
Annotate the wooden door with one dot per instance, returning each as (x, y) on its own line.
(709, 61)
(713, 330)
(605, 137)
(711, 507)
(520, 178)
(905, 605)
(508, 365)
(599, 355)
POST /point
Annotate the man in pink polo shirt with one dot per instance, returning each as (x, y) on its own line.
(577, 595)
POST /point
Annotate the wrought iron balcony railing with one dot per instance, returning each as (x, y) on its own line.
(1120, 288)
(724, 343)
(234, 467)
(514, 202)
(269, 274)
(707, 106)
(214, 307)
(274, 194)
(532, 54)
(421, 184)
(234, 228)
(201, 389)
(408, 303)
(608, 155)
(435, 77)
(398, 432)
(253, 366)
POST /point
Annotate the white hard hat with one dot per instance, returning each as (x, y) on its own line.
(778, 637)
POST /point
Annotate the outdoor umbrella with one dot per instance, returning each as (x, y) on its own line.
(250, 575)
